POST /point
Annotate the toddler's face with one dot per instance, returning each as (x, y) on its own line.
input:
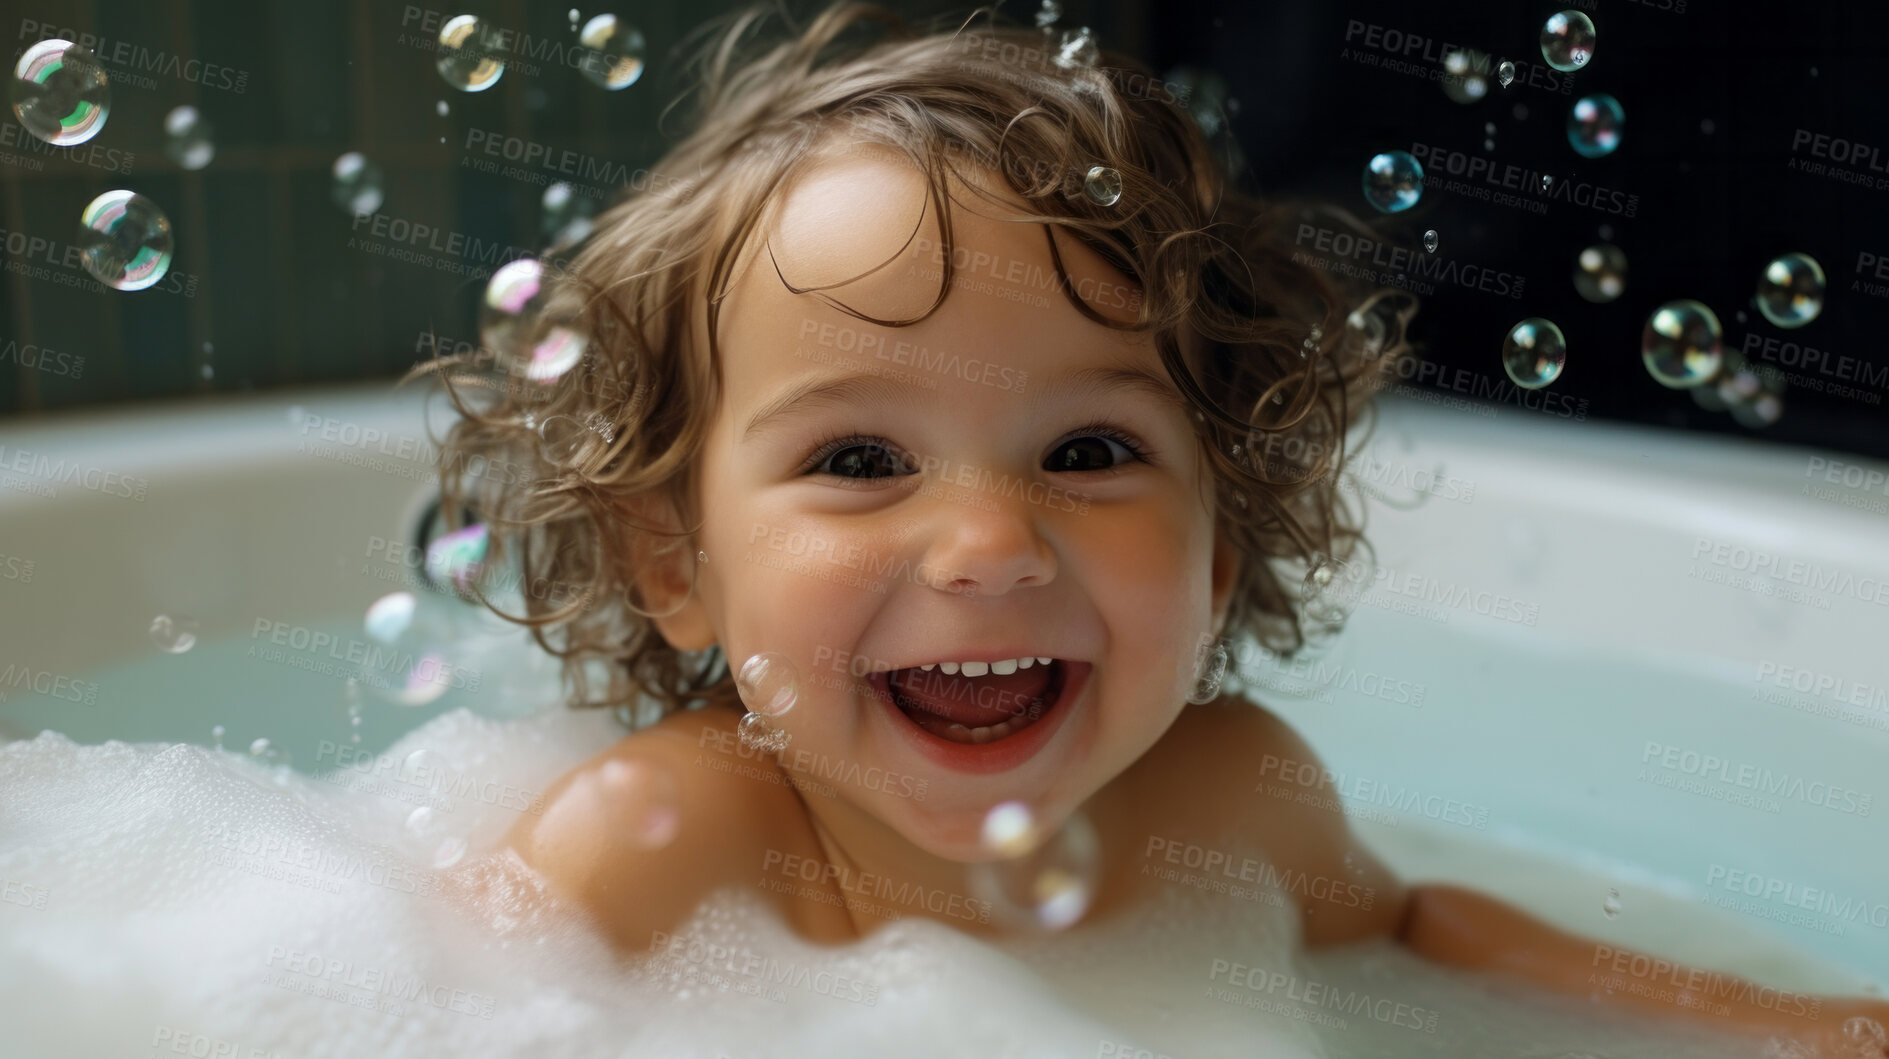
(974, 495)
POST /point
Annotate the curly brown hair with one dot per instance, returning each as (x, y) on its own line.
(1287, 356)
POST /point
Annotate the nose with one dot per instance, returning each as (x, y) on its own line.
(988, 545)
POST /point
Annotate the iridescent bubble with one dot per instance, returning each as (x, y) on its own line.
(1048, 889)
(510, 324)
(1393, 181)
(1009, 830)
(1103, 185)
(769, 684)
(1600, 272)
(1682, 344)
(1466, 75)
(756, 732)
(407, 663)
(1048, 13)
(1610, 905)
(1505, 73)
(557, 352)
(60, 92)
(471, 53)
(1790, 292)
(1077, 48)
(188, 138)
(357, 184)
(1430, 241)
(175, 633)
(566, 219)
(564, 437)
(614, 59)
(426, 833)
(457, 558)
(645, 800)
(125, 240)
(1594, 125)
(1567, 40)
(1534, 353)
(1546, 182)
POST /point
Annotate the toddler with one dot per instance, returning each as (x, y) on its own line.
(933, 415)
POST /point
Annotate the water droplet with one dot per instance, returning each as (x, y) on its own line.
(645, 798)
(216, 734)
(575, 16)
(756, 732)
(1610, 906)
(1049, 888)
(1534, 353)
(1790, 290)
(1009, 830)
(61, 93)
(125, 240)
(1682, 344)
(1600, 273)
(442, 108)
(1048, 13)
(768, 684)
(1077, 48)
(1488, 128)
(1546, 182)
(1393, 181)
(701, 557)
(1466, 75)
(175, 633)
(188, 138)
(1488, 145)
(1567, 40)
(414, 669)
(615, 57)
(1103, 185)
(1594, 125)
(357, 184)
(1429, 241)
(471, 53)
(1505, 73)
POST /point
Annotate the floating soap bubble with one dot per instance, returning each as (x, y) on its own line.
(1077, 48)
(1600, 272)
(1488, 145)
(1048, 13)
(125, 240)
(471, 53)
(564, 437)
(60, 92)
(1009, 830)
(175, 633)
(457, 558)
(442, 108)
(1505, 73)
(510, 325)
(1790, 292)
(1103, 185)
(188, 138)
(1610, 905)
(426, 768)
(263, 752)
(1393, 181)
(1210, 667)
(1567, 40)
(216, 736)
(1682, 344)
(1051, 887)
(408, 663)
(1761, 411)
(645, 801)
(1534, 353)
(1466, 75)
(1594, 125)
(357, 184)
(615, 56)
(1429, 241)
(1332, 588)
(566, 219)
(1546, 182)
(758, 734)
(768, 683)
(559, 350)
(426, 834)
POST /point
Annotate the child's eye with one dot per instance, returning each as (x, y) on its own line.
(1089, 448)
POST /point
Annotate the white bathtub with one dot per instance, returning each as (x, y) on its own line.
(1529, 694)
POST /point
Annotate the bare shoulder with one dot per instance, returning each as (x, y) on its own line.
(1227, 776)
(640, 833)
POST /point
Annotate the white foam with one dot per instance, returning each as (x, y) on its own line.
(187, 894)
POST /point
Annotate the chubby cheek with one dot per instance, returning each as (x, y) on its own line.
(1149, 565)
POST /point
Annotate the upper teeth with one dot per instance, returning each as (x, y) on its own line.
(978, 669)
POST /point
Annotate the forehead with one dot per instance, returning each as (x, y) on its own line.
(860, 227)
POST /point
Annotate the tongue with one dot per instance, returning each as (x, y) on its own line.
(974, 702)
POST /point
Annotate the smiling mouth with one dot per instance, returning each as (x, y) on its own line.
(973, 710)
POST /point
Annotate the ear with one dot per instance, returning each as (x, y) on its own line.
(1226, 569)
(666, 574)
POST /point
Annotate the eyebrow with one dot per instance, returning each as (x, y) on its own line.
(870, 388)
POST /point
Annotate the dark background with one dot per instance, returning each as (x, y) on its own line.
(282, 298)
